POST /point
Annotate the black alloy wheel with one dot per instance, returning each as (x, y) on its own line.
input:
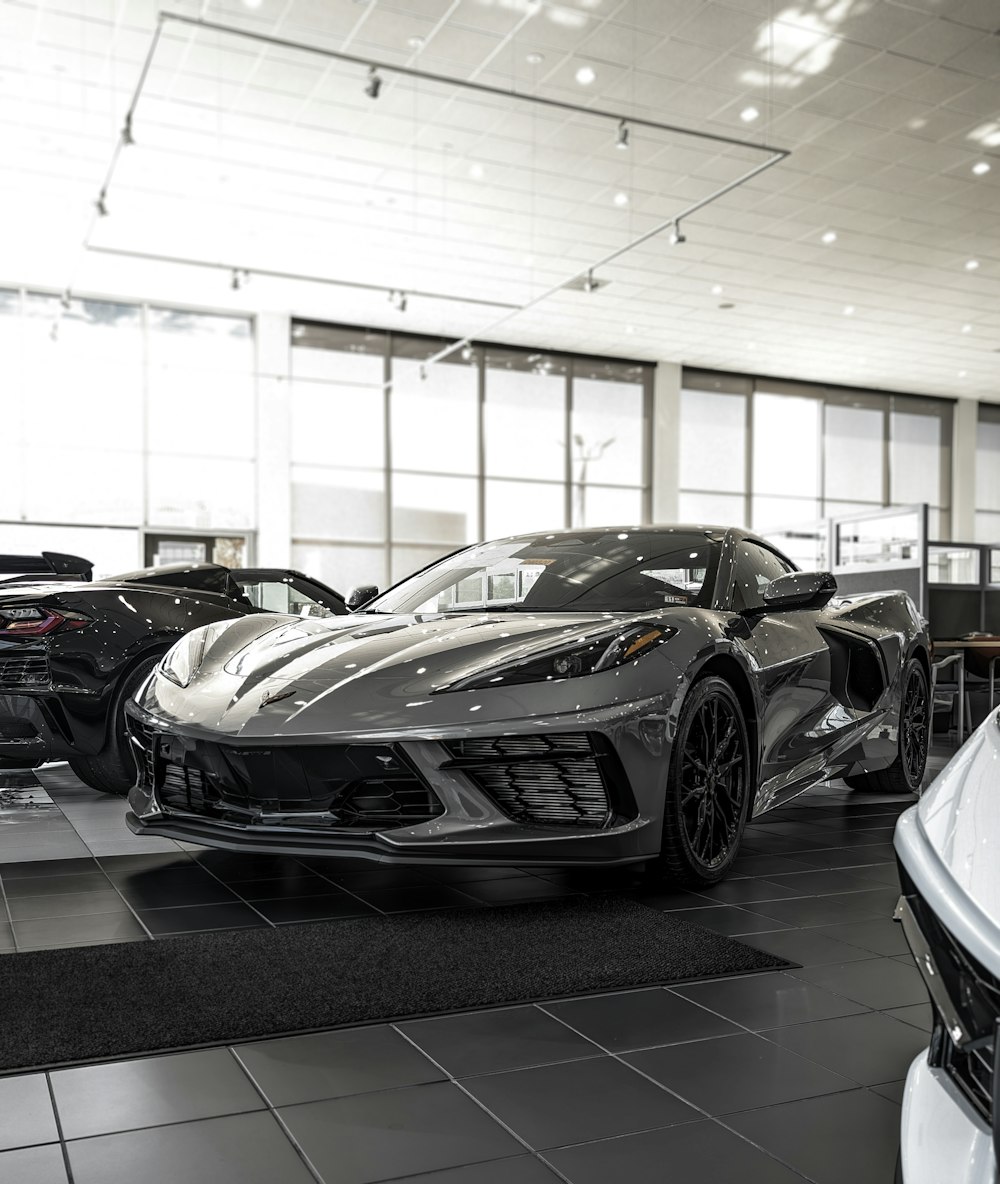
(914, 725)
(710, 787)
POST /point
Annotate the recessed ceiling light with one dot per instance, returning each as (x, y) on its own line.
(412, 42)
(476, 171)
(752, 345)
(534, 58)
(749, 114)
(252, 3)
(630, 328)
(848, 310)
(585, 75)
(966, 328)
(962, 373)
(716, 289)
(981, 168)
(620, 198)
(829, 236)
(971, 264)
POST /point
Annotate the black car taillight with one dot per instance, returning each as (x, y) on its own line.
(34, 620)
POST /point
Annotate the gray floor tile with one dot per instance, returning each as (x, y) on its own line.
(560, 1104)
(201, 918)
(882, 936)
(749, 890)
(892, 1090)
(870, 1049)
(54, 867)
(6, 934)
(878, 982)
(640, 1019)
(25, 1112)
(379, 1136)
(522, 1169)
(808, 947)
(93, 881)
(69, 904)
(334, 1064)
(50, 931)
(243, 1149)
(919, 1016)
(491, 1041)
(732, 921)
(33, 1165)
(768, 1000)
(733, 1073)
(850, 1137)
(99, 1099)
(695, 1153)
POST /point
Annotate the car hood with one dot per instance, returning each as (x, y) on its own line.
(960, 817)
(266, 675)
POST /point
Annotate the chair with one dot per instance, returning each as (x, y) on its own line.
(954, 693)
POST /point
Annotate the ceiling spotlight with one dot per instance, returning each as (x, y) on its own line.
(716, 289)
(749, 114)
(966, 328)
(830, 236)
(101, 205)
(981, 168)
(397, 300)
(585, 75)
(677, 236)
(630, 328)
(466, 353)
(374, 83)
(239, 279)
(621, 140)
(620, 198)
(962, 373)
(415, 43)
(534, 58)
(848, 310)
(971, 264)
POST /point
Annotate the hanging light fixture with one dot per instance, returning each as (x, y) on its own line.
(677, 236)
(374, 83)
(622, 138)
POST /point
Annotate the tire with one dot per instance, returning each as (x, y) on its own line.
(709, 787)
(112, 770)
(906, 772)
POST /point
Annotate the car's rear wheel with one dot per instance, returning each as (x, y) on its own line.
(709, 787)
(112, 770)
(906, 772)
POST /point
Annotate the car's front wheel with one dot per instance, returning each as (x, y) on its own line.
(709, 787)
(906, 772)
(112, 770)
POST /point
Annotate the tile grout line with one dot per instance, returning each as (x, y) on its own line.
(59, 1129)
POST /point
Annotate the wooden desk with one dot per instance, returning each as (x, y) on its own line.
(960, 645)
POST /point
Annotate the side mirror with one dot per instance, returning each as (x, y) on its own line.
(800, 589)
(361, 595)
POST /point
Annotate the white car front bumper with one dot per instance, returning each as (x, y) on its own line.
(942, 1141)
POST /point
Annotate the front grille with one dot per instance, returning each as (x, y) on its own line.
(24, 672)
(353, 786)
(974, 992)
(555, 780)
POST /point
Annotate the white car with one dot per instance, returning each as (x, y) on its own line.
(949, 851)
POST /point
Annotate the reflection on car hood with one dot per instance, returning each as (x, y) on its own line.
(960, 817)
(269, 675)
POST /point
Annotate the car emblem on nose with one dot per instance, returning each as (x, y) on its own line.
(276, 696)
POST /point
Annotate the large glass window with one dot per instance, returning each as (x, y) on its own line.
(814, 452)
(416, 458)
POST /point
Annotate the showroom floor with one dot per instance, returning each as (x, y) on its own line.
(765, 1079)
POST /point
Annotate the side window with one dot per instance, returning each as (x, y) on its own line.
(278, 596)
(756, 567)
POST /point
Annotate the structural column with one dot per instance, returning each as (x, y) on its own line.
(666, 440)
(274, 483)
(963, 470)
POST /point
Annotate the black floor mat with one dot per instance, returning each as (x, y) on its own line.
(94, 1002)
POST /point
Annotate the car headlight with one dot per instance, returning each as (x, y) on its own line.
(181, 663)
(590, 655)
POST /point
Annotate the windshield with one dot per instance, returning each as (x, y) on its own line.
(588, 571)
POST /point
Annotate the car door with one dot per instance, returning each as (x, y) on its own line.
(276, 590)
(800, 717)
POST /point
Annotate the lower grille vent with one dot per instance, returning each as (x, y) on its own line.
(555, 780)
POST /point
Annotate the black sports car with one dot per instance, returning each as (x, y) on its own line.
(72, 652)
(582, 697)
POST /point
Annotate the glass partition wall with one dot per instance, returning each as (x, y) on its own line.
(772, 454)
(988, 473)
(396, 462)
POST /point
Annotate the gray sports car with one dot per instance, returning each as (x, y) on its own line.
(588, 697)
